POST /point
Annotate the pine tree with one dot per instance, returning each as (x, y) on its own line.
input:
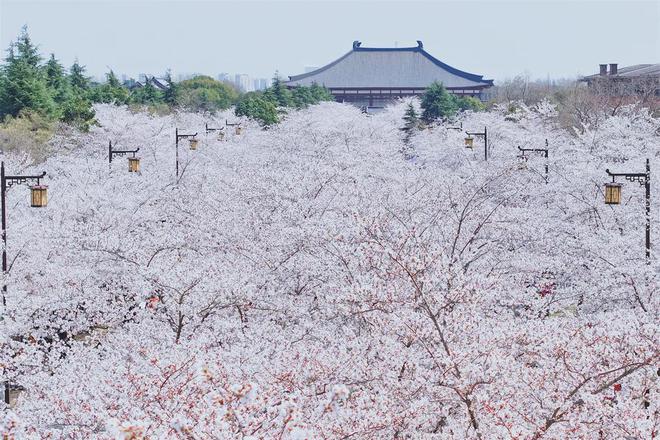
(411, 117)
(169, 96)
(112, 79)
(22, 82)
(77, 78)
(278, 93)
(320, 93)
(437, 103)
(25, 50)
(56, 79)
(111, 91)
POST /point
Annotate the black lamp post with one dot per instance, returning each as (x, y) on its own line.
(238, 128)
(543, 151)
(211, 130)
(485, 135)
(180, 136)
(613, 197)
(39, 199)
(134, 166)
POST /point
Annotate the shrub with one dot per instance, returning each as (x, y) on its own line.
(255, 106)
(203, 93)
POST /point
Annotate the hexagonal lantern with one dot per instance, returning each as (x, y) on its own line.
(193, 143)
(239, 129)
(38, 196)
(221, 135)
(133, 164)
(469, 142)
(612, 193)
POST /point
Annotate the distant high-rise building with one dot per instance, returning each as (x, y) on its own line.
(260, 83)
(242, 81)
(224, 76)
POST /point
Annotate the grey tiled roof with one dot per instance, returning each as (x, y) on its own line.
(406, 67)
(632, 71)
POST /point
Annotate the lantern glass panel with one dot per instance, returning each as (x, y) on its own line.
(193, 144)
(38, 196)
(469, 142)
(612, 193)
(239, 130)
(133, 164)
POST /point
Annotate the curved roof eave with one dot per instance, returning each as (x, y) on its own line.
(437, 62)
(320, 69)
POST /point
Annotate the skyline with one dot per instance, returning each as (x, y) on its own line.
(496, 39)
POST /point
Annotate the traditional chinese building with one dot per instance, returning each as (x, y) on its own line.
(640, 79)
(374, 76)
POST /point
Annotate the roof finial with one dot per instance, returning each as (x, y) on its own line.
(420, 44)
(356, 44)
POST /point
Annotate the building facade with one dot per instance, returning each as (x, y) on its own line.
(374, 77)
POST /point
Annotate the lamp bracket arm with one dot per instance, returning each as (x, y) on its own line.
(18, 180)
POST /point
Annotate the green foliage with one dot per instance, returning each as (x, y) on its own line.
(24, 50)
(205, 93)
(77, 110)
(169, 96)
(111, 92)
(79, 82)
(306, 96)
(469, 103)
(146, 95)
(411, 118)
(56, 79)
(257, 106)
(22, 82)
(30, 91)
(23, 87)
(278, 93)
(437, 103)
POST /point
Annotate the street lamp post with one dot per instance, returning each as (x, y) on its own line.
(180, 136)
(543, 151)
(238, 128)
(613, 197)
(211, 130)
(133, 162)
(39, 199)
(485, 135)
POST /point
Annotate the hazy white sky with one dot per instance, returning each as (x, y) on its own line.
(497, 39)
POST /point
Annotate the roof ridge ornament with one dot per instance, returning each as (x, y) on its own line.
(356, 44)
(420, 44)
